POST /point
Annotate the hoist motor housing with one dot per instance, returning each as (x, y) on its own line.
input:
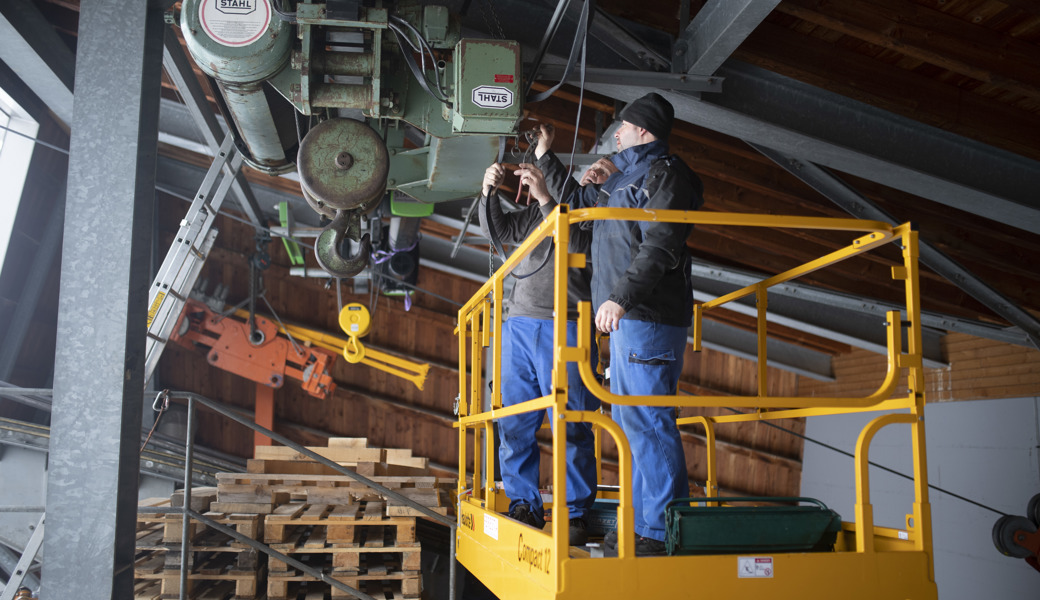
(487, 87)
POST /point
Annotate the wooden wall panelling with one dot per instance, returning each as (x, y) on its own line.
(979, 369)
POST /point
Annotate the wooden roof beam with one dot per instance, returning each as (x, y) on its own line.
(930, 36)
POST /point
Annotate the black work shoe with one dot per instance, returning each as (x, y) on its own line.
(649, 547)
(524, 514)
(577, 532)
(610, 540)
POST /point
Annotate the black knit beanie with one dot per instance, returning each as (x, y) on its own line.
(651, 112)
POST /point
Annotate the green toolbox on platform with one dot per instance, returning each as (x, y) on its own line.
(757, 529)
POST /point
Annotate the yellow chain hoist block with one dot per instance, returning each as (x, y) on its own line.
(355, 320)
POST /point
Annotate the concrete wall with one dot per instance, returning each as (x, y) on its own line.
(983, 450)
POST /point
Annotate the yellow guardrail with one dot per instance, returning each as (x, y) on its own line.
(518, 562)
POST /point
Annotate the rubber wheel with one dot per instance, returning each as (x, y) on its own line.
(1004, 535)
(1033, 510)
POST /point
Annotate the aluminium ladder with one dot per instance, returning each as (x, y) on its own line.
(191, 247)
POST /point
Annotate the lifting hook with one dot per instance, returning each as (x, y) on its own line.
(326, 248)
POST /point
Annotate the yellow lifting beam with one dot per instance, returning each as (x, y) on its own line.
(518, 562)
(356, 321)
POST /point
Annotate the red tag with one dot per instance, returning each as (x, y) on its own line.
(503, 79)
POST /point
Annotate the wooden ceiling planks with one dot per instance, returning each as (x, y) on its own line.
(922, 98)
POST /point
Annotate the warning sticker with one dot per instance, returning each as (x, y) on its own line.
(491, 526)
(234, 22)
(492, 96)
(154, 308)
(755, 566)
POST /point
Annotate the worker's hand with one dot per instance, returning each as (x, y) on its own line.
(609, 316)
(546, 132)
(493, 177)
(599, 172)
(534, 179)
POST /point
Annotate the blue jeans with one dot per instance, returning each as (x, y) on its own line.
(646, 360)
(527, 356)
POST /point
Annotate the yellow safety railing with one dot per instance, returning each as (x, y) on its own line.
(519, 562)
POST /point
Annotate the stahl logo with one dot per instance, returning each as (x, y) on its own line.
(236, 7)
(491, 96)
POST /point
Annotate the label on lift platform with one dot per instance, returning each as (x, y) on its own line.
(491, 526)
(234, 22)
(755, 567)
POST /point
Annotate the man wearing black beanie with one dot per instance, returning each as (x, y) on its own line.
(642, 294)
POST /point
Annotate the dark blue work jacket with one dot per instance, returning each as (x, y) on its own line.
(644, 266)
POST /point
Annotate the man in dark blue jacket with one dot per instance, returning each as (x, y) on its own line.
(642, 294)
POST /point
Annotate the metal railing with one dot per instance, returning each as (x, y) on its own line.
(480, 328)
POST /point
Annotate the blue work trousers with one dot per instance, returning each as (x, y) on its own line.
(527, 356)
(645, 360)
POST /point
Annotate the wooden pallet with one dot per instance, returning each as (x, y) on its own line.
(311, 590)
(249, 525)
(373, 570)
(208, 569)
(214, 590)
(339, 521)
(253, 492)
(368, 541)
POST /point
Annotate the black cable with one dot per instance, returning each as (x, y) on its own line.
(581, 98)
(870, 462)
(547, 38)
(424, 46)
(419, 75)
(37, 140)
(588, 11)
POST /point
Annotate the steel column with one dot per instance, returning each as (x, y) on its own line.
(96, 418)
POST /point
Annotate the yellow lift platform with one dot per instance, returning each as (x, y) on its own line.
(518, 562)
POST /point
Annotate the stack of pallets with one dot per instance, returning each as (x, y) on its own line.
(356, 543)
(307, 511)
(218, 565)
(333, 523)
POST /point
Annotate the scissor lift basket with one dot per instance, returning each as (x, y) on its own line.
(750, 529)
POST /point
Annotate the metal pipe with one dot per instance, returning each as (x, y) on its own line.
(342, 95)
(189, 450)
(248, 106)
(349, 64)
(240, 55)
(451, 566)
